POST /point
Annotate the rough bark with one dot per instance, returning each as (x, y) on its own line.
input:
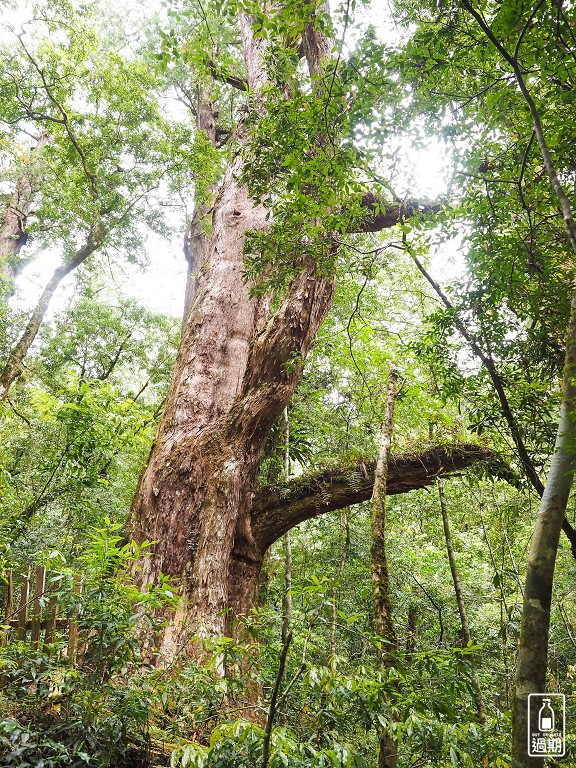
(459, 592)
(196, 238)
(236, 370)
(13, 235)
(237, 367)
(383, 619)
(194, 470)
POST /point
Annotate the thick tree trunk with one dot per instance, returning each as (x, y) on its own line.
(465, 626)
(195, 497)
(195, 474)
(236, 370)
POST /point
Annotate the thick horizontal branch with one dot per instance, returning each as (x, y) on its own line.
(383, 215)
(277, 510)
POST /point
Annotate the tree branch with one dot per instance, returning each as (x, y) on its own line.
(383, 215)
(225, 77)
(13, 365)
(277, 510)
(505, 408)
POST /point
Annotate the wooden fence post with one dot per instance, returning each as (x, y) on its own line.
(50, 621)
(23, 609)
(36, 625)
(5, 635)
(35, 619)
(73, 624)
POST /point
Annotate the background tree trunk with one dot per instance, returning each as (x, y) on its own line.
(13, 366)
(13, 235)
(465, 626)
(383, 620)
(287, 602)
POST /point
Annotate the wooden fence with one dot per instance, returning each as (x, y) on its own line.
(36, 617)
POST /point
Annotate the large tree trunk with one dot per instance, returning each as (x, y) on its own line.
(195, 496)
(237, 367)
(195, 475)
(234, 375)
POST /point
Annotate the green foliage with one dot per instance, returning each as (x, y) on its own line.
(77, 428)
(107, 146)
(65, 714)
(80, 425)
(240, 744)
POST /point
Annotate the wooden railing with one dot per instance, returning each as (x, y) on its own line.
(35, 619)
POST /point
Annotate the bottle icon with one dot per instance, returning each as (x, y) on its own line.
(546, 717)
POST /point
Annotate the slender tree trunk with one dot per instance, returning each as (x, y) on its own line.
(13, 366)
(13, 235)
(412, 629)
(505, 407)
(287, 602)
(383, 619)
(341, 566)
(466, 636)
(533, 646)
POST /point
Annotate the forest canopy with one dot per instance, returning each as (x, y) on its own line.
(316, 509)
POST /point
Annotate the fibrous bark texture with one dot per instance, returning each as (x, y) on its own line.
(238, 364)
